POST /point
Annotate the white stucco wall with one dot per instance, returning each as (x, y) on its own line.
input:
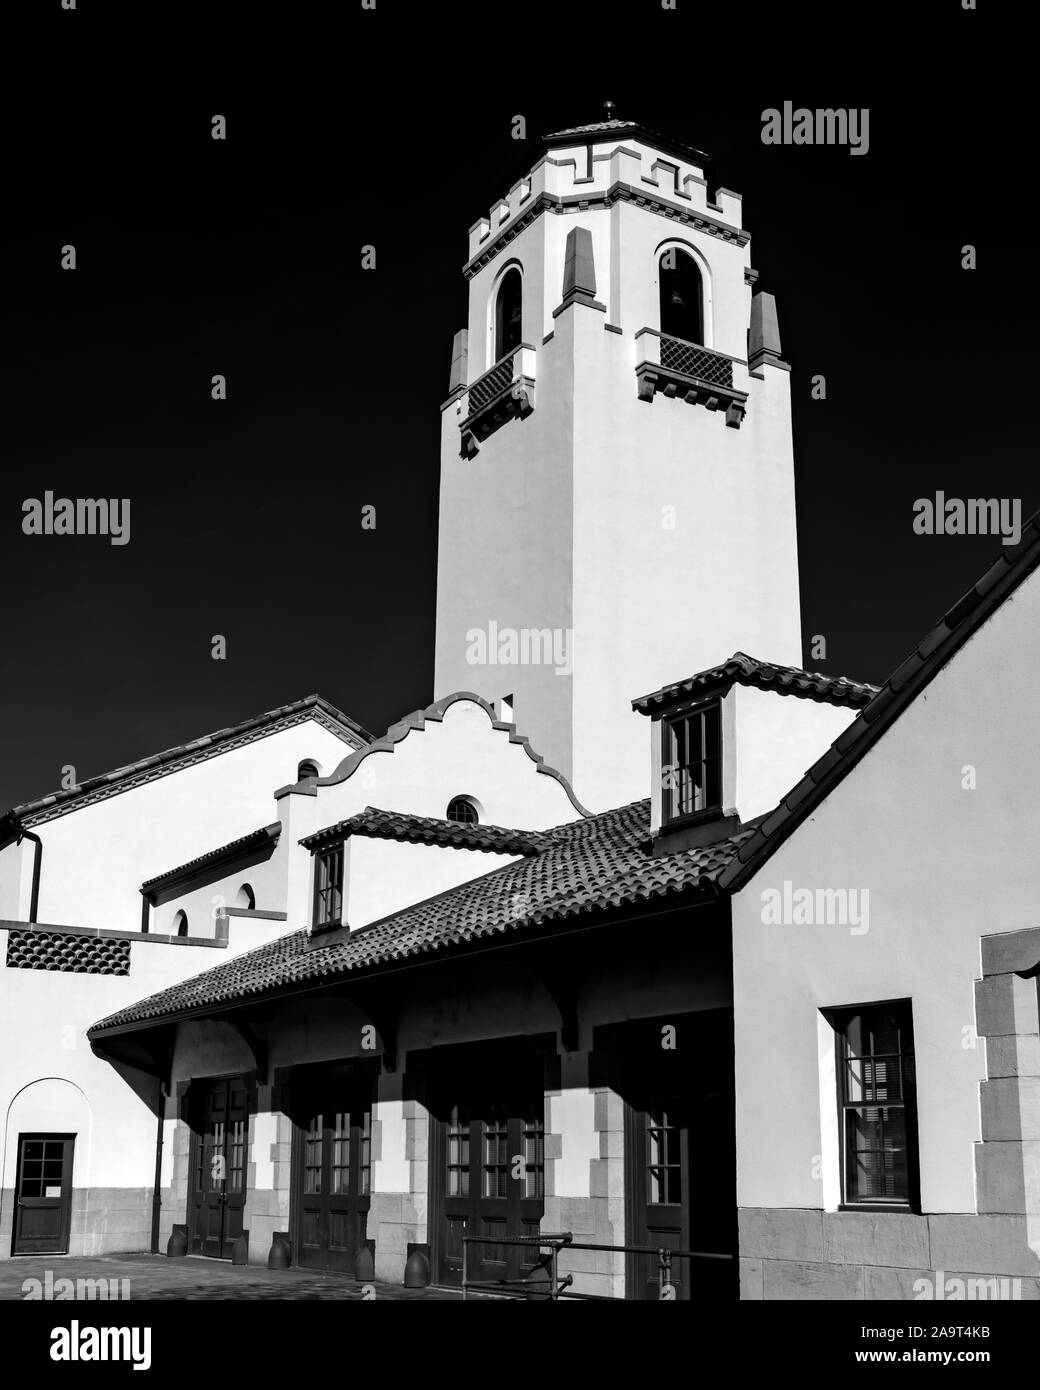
(96, 857)
(943, 865)
(778, 737)
(385, 876)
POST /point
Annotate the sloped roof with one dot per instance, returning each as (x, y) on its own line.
(184, 754)
(429, 830)
(748, 670)
(256, 839)
(596, 131)
(940, 645)
(600, 863)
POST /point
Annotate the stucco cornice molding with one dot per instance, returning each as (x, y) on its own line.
(618, 192)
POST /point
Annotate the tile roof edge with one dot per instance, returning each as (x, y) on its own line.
(56, 803)
(759, 674)
(434, 713)
(359, 824)
(233, 848)
(937, 648)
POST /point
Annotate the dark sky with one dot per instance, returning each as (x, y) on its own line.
(393, 128)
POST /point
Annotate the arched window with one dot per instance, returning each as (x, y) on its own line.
(180, 924)
(307, 770)
(682, 296)
(508, 313)
(462, 810)
(245, 897)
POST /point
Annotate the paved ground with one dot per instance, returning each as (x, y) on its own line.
(156, 1277)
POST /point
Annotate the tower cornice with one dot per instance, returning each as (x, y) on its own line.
(617, 192)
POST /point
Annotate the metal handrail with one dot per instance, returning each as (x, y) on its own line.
(564, 1240)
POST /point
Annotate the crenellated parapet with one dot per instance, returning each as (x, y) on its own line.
(577, 174)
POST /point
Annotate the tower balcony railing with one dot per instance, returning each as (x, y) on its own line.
(697, 374)
(504, 392)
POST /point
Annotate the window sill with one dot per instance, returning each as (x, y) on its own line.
(885, 1208)
(694, 818)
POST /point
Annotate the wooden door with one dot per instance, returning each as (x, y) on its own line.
(488, 1167)
(219, 1168)
(43, 1196)
(680, 1155)
(333, 1173)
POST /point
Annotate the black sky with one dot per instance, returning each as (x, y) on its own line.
(393, 128)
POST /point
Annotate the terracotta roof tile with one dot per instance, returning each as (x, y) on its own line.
(429, 830)
(599, 863)
(742, 669)
(45, 807)
(267, 834)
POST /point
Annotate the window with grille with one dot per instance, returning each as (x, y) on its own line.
(312, 1155)
(877, 1095)
(457, 1171)
(691, 773)
(496, 1156)
(663, 1156)
(462, 811)
(328, 888)
(534, 1156)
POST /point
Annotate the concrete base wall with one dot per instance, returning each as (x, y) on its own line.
(103, 1221)
(792, 1254)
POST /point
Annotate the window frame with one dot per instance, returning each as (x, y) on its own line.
(703, 299)
(839, 1020)
(671, 818)
(462, 800)
(325, 887)
(497, 311)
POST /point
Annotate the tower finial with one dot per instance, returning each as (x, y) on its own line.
(608, 107)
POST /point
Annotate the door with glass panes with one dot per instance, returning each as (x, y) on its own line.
(488, 1165)
(333, 1170)
(43, 1196)
(219, 1142)
(680, 1154)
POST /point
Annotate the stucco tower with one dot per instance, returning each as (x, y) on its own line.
(617, 504)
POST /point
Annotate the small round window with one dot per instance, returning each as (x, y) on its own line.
(462, 810)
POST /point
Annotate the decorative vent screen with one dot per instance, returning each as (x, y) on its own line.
(77, 955)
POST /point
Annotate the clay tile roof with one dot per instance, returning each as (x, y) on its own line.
(600, 863)
(596, 131)
(256, 839)
(593, 128)
(429, 830)
(747, 670)
(158, 764)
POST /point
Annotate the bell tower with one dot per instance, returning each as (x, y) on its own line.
(617, 506)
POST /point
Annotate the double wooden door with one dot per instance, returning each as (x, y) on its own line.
(218, 1195)
(487, 1162)
(43, 1196)
(333, 1112)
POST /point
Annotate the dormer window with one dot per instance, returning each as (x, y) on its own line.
(328, 888)
(691, 763)
(682, 296)
(462, 810)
